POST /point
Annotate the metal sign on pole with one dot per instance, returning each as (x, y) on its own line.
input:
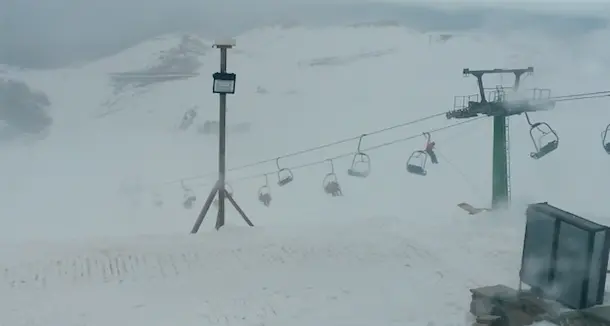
(224, 83)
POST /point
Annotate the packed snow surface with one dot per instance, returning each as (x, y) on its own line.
(83, 243)
(366, 271)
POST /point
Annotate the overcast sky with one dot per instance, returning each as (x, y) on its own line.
(43, 33)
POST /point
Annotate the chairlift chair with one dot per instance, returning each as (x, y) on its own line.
(284, 175)
(545, 139)
(361, 166)
(189, 197)
(210, 127)
(331, 183)
(188, 201)
(264, 193)
(188, 118)
(157, 200)
(606, 139)
(416, 164)
(361, 163)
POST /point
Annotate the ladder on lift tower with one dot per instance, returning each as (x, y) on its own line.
(499, 95)
(508, 183)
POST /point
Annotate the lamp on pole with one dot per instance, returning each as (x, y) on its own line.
(224, 83)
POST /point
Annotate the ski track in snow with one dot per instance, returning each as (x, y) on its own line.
(251, 277)
(116, 265)
(162, 257)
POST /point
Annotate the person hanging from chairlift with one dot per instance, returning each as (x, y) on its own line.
(430, 149)
(189, 196)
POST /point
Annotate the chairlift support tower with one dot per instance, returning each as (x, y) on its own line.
(499, 109)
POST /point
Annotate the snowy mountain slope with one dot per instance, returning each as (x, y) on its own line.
(140, 139)
(394, 248)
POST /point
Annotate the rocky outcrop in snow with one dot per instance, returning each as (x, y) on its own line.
(23, 109)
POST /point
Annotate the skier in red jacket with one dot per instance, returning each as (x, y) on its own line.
(430, 150)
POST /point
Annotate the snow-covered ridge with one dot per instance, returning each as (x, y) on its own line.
(156, 53)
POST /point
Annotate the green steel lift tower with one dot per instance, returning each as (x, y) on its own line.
(496, 105)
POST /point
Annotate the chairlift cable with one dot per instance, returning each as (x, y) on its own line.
(344, 155)
(400, 140)
(307, 150)
(264, 193)
(578, 95)
(570, 97)
(584, 97)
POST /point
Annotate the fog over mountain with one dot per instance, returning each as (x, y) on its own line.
(47, 34)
